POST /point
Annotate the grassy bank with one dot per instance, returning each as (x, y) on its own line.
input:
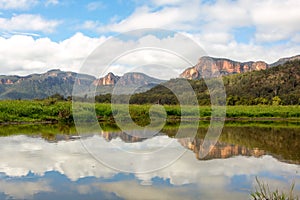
(53, 111)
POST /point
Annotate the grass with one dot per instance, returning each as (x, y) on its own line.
(34, 111)
(263, 192)
(61, 111)
(263, 111)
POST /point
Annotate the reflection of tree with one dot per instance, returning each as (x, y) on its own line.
(283, 143)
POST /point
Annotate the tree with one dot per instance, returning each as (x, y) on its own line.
(276, 101)
(57, 96)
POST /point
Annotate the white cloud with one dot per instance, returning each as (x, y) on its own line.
(145, 17)
(273, 19)
(24, 190)
(276, 20)
(171, 52)
(91, 25)
(51, 2)
(210, 25)
(95, 5)
(23, 55)
(167, 2)
(28, 22)
(143, 192)
(17, 4)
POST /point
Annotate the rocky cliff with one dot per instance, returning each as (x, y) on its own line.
(211, 67)
(109, 79)
(132, 78)
(208, 66)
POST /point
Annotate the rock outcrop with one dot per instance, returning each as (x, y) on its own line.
(212, 67)
(6, 82)
(132, 78)
(109, 79)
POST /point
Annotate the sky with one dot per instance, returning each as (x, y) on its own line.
(39, 35)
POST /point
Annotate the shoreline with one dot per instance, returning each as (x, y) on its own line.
(171, 118)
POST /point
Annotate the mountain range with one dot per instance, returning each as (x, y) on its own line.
(59, 82)
(38, 86)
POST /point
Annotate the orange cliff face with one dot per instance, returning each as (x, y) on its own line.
(211, 67)
(109, 79)
(132, 78)
(6, 82)
(190, 73)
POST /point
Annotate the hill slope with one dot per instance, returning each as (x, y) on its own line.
(42, 85)
(251, 88)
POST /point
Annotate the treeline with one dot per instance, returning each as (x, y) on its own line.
(275, 86)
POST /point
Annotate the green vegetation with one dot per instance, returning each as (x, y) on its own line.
(263, 192)
(49, 110)
(262, 111)
(52, 110)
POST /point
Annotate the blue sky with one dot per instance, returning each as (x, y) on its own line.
(37, 35)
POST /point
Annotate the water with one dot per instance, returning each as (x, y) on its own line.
(51, 162)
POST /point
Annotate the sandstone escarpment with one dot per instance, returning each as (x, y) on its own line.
(211, 67)
(109, 79)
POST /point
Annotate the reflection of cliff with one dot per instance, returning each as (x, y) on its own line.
(220, 150)
(282, 143)
(123, 136)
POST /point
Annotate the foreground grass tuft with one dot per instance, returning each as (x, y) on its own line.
(263, 192)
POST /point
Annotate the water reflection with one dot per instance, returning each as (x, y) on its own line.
(220, 150)
(40, 167)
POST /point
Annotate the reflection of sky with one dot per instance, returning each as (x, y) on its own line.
(34, 168)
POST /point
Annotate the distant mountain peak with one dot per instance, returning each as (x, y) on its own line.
(284, 60)
(109, 79)
(130, 78)
(53, 70)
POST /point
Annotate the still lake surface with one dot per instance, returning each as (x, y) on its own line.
(52, 162)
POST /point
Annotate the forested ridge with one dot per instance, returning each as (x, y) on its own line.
(278, 85)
